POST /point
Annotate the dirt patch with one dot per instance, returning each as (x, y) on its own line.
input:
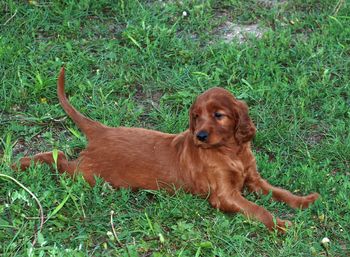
(147, 101)
(230, 31)
(36, 145)
(314, 139)
(271, 155)
(147, 97)
(316, 134)
(271, 3)
(45, 137)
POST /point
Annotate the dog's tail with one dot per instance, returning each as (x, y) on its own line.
(86, 125)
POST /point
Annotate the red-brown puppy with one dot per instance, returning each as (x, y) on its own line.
(212, 158)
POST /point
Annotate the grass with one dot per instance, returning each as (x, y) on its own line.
(141, 63)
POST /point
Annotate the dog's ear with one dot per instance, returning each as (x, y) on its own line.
(192, 119)
(245, 128)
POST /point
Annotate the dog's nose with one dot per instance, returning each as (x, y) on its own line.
(202, 136)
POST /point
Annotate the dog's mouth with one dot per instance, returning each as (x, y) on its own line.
(203, 145)
(206, 145)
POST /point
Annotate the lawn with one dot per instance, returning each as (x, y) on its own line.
(142, 63)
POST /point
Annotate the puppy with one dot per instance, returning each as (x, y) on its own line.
(212, 158)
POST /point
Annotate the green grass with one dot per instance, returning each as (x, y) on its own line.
(141, 63)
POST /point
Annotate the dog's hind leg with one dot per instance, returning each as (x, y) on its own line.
(63, 165)
(257, 184)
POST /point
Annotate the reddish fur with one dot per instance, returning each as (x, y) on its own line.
(139, 158)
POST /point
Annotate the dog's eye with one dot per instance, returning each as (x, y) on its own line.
(195, 116)
(218, 115)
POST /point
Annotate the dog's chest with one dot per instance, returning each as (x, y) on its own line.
(216, 170)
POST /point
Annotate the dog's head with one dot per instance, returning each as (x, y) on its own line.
(217, 118)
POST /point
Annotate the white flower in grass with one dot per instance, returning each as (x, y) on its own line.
(110, 235)
(325, 240)
(325, 243)
(184, 14)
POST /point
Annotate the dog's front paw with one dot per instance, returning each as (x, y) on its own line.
(282, 225)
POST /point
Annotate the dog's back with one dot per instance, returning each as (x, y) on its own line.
(112, 154)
